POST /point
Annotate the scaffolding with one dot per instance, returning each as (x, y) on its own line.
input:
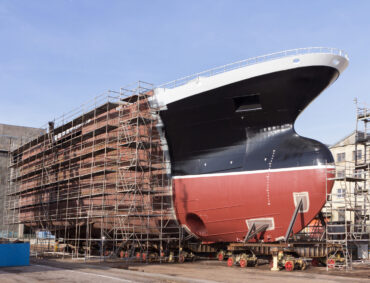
(348, 210)
(98, 180)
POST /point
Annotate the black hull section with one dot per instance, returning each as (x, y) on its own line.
(246, 125)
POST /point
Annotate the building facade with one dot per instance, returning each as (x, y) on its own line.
(348, 205)
(10, 137)
(351, 175)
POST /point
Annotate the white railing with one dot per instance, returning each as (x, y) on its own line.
(252, 61)
(108, 96)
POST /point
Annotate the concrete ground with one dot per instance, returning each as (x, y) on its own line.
(54, 270)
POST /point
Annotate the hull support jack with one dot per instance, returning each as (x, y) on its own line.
(292, 221)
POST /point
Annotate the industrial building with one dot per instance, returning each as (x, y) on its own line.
(11, 137)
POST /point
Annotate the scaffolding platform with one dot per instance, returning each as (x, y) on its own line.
(351, 207)
(97, 177)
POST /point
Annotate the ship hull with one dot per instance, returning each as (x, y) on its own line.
(236, 158)
(221, 207)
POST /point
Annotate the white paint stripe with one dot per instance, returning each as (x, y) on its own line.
(86, 273)
(256, 172)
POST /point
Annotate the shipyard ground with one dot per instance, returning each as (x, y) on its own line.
(56, 270)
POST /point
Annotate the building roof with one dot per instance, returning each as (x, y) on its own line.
(348, 140)
(12, 134)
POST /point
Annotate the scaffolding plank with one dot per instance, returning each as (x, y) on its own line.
(135, 97)
(138, 168)
(79, 177)
(348, 179)
(40, 204)
(65, 162)
(136, 144)
(140, 120)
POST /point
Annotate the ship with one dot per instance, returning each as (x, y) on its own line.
(215, 153)
(237, 162)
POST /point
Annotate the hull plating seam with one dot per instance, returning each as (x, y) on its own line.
(256, 172)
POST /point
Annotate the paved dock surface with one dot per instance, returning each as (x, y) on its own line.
(202, 272)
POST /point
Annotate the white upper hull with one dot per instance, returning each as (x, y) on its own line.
(201, 83)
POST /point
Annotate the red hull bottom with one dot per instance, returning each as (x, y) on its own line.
(222, 207)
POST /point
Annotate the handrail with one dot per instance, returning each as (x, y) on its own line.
(252, 61)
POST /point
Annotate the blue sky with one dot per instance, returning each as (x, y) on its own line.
(55, 55)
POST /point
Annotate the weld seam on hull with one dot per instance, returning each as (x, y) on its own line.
(256, 172)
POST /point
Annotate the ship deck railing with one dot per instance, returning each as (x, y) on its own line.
(252, 61)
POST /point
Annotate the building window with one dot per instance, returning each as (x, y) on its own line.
(359, 155)
(340, 173)
(341, 157)
(358, 173)
(341, 192)
(341, 214)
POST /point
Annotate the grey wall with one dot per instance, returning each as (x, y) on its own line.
(10, 138)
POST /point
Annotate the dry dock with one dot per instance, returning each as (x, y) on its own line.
(53, 270)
